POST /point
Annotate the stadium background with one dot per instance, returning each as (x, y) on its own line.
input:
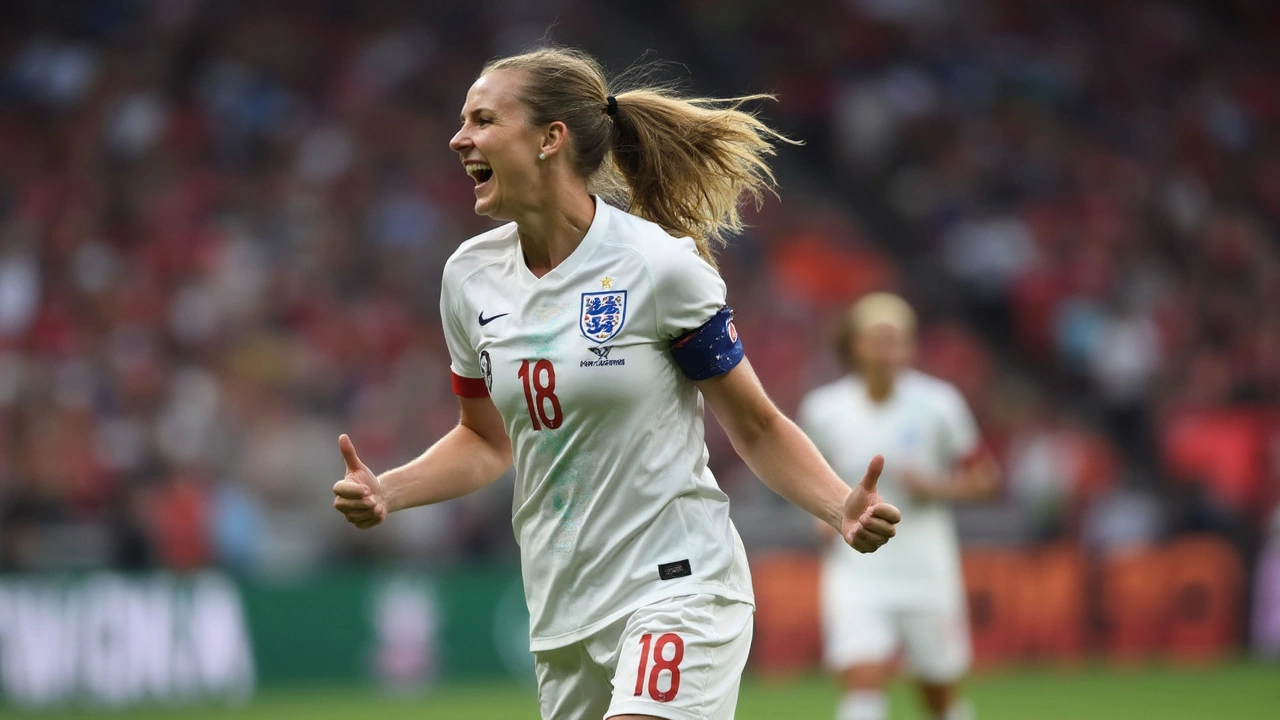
(222, 226)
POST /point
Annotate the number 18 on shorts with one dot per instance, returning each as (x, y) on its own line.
(680, 658)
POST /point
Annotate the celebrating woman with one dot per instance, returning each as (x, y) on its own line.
(584, 341)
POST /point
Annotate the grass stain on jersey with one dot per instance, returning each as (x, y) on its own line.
(544, 344)
(570, 496)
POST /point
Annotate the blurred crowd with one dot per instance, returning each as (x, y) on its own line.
(222, 226)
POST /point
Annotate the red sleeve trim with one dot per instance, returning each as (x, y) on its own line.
(469, 387)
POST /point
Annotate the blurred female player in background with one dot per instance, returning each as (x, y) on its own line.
(583, 341)
(912, 593)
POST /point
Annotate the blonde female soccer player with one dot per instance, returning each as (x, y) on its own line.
(911, 595)
(584, 341)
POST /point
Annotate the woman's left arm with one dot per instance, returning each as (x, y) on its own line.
(784, 458)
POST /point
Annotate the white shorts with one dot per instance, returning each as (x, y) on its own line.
(680, 658)
(934, 641)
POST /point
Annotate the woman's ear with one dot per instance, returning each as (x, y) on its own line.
(554, 138)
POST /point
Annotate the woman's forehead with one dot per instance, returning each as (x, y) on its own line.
(884, 330)
(495, 90)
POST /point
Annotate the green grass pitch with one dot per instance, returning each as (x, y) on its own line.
(1238, 691)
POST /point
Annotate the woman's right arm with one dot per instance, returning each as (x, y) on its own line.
(469, 457)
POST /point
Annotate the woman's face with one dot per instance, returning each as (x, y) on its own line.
(883, 349)
(498, 147)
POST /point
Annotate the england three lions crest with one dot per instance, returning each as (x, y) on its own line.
(602, 314)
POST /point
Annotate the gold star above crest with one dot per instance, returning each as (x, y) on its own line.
(607, 283)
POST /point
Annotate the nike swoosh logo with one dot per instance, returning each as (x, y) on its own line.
(486, 320)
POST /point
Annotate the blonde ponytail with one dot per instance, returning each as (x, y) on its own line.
(682, 163)
(687, 163)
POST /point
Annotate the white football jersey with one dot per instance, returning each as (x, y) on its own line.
(926, 425)
(614, 505)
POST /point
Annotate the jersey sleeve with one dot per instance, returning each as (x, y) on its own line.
(462, 356)
(963, 440)
(688, 291)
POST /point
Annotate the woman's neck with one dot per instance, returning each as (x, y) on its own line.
(551, 232)
(879, 386)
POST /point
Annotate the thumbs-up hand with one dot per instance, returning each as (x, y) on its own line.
(358, 494)
(868, 520)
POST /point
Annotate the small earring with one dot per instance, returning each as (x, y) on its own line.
(542, 156)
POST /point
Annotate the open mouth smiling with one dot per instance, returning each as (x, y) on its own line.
(479, 172)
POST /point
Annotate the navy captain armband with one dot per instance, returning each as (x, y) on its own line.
(711, 350)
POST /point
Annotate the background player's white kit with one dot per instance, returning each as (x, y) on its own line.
(586, 351)
(912, 588)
